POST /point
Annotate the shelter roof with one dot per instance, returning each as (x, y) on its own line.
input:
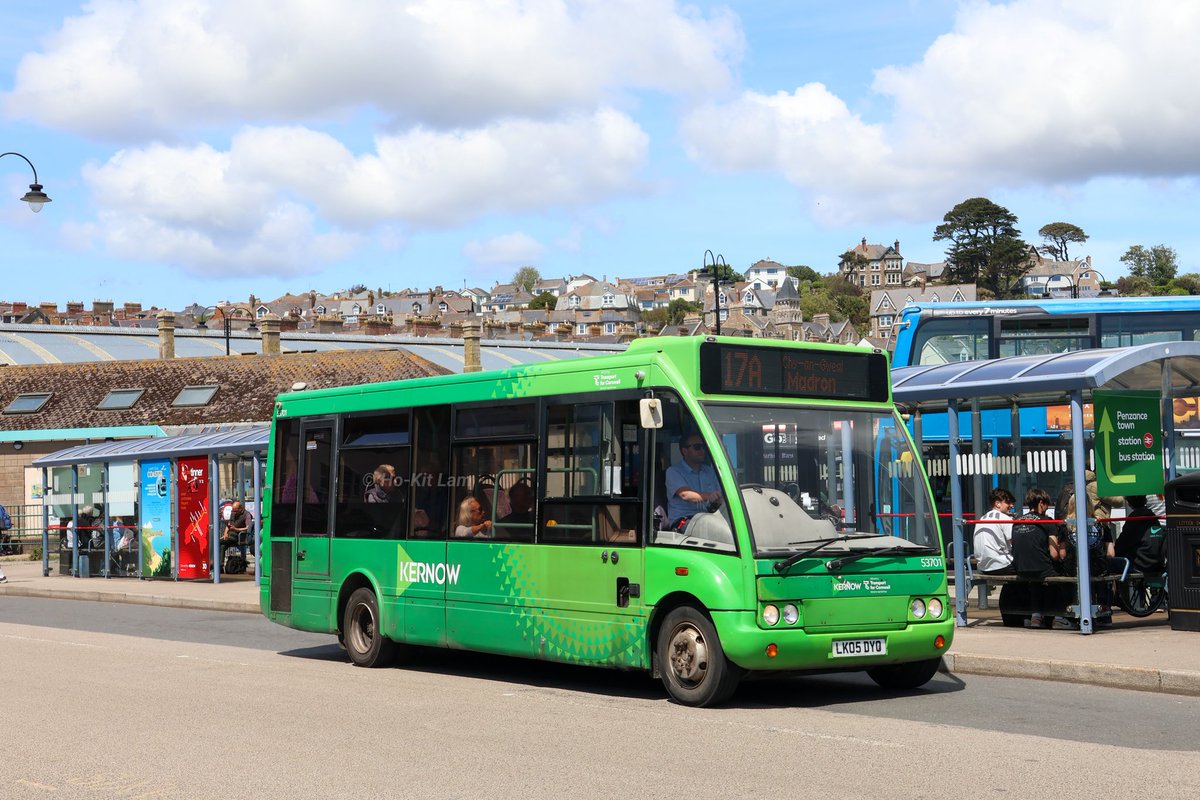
(1051, 377)
(243, 440)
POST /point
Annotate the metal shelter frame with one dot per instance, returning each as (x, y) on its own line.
(251, 439)
(1171, 368)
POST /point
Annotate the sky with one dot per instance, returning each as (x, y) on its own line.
(198, 151)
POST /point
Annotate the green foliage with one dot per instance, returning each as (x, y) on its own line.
(680, 308)
(35, 554)
(526, 278)
(818, 301)
(654, 318)
(1135, 286)
(804, 273)
(985, 246)
(725, 273)
(1058, 236)
(1189, 282)
(1157, 265)
(544, 300)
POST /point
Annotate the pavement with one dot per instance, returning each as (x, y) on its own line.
(1142, 654)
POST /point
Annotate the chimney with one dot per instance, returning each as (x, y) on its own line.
(864, 243)
(132, 308)
(269, 325)
(471, 357)
(166, 334)
(821, 319)
(896, 246)
(74, 308)
(20, 307)
(329, 325)
(102, 307)
(49, 309)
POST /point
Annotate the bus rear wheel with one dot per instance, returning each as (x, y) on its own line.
(691, 660)
(905, 676)
(365, 645)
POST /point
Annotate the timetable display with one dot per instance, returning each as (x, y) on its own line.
(789, 372)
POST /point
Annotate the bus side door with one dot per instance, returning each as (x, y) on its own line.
(311, 590)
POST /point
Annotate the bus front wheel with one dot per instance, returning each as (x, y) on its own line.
(691, 660)
(905, 676)
(365, 645)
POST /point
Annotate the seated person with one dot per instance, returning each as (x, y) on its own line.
(471, 521)
(238, 525)
(383, 485)
(692, 485)
(519, 521)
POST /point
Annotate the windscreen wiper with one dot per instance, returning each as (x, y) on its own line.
(780, 566)
(838, 563)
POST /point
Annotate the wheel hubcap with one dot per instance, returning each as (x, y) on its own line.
(688, 654)
(363, 632)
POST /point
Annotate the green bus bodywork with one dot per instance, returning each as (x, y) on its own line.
(607, 604)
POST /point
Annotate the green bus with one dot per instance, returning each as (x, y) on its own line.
(525, 512)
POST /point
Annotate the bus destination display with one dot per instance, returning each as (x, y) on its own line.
(787, 372)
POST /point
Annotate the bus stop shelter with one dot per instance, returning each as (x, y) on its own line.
(176, 453)
(1172, 369)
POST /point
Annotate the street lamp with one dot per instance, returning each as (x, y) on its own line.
(35, 196)
(227, 315)
(717, 260)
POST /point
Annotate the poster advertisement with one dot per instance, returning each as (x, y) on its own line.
(192, 487)
(155, 502)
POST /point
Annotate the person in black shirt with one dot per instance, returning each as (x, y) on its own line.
(1037, 551)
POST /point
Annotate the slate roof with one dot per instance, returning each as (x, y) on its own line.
(248, 386)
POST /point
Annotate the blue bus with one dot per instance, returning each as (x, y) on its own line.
(938, 333)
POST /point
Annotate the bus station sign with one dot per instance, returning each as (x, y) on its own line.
(1128, 443)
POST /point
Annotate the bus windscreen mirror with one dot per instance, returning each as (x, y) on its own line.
(651, 410)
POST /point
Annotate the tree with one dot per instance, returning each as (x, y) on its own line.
(545, 300)
(1058, 235)
(526, 278)
(1189, 282)
(803, 273)
(1135, 286)
(655, 319)
(850, 300)
(1158, 264)
(680, 308)
(725, 273)
(985, 246)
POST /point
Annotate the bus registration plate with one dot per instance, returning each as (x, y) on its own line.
(843, 648)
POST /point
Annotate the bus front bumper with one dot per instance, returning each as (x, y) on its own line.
(795, 649)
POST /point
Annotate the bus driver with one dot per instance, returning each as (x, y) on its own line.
(692, 485)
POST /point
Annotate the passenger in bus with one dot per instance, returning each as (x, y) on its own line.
(520, 500)
(383, 485)
(692, 485)
(471, 521)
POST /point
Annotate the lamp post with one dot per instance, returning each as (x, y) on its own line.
(227, 315)
(35, 196)
(717, 260)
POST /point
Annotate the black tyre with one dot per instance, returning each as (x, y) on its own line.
(1013, 620)
(691, 661)
(365, 645)
(905, 676)
(1139, 599)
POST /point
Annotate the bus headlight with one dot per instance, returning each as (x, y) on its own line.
(770, 615)
(790, 614)
(935, 608)
(917, 608)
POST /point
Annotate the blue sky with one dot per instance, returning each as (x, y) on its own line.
(206, 150)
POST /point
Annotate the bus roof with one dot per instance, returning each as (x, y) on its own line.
(1055, 306)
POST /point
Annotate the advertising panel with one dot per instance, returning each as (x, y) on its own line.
(155, 510)
(192, 486)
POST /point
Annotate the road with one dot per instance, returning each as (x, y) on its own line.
(118, 701)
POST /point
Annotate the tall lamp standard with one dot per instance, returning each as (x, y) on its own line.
(35, 196)
(717, 260)
(228, 313)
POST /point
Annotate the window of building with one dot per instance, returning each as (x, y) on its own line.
(610, 327)
(120, 398)
(607, 300)
(573, 301)
(28, 403)
(195, 395)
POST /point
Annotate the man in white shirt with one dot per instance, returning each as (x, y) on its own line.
(993, 535)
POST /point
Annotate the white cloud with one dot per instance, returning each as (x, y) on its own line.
(254, 207)
(1030, 93)
(511, 248)
(137, 70)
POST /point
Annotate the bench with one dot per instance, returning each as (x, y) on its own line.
(1016, 600)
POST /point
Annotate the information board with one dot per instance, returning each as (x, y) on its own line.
(1128, 444)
